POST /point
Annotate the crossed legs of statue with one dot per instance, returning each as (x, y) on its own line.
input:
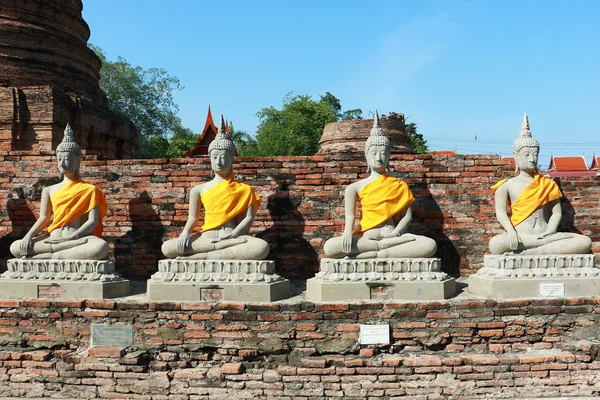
(558, 243)
(86, 248)
(404, 246)
(241, 248)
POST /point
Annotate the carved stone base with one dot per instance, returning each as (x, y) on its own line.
(223, 291)
(62, 279)
(217, 280)
(59, 289)
(567, 265)
(518, 277)
(381, 279)
(64, 270)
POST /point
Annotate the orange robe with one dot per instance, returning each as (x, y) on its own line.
(225, 201)
(381, 199)
(73, 200)
(539, 192)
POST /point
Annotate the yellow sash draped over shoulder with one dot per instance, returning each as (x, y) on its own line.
(225, 201)
(539, 192)
(73, 200)
(381, 199)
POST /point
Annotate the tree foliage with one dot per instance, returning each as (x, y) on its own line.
(146, 97)
(295, 129)
(181, 141)
(353, 114)
(419, 144)
(245, 144)
(333, 103)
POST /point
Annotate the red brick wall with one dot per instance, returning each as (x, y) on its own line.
(33, 118)
(468, 349)
(302, 203)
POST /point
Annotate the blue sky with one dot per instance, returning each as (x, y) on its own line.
(456, 68)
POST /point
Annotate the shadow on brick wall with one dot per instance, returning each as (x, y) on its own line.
(567, 223)
(137, 252)
(428, 220)
(285, 236)
(22, 219)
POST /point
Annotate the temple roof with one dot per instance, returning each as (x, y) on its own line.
(208, 135)
(568, 166)
(595, 163)
(576, 163)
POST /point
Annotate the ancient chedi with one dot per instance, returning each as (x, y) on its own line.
(63, 252)
(48, 77)
(531, 258)
(222, 261)
(348, 137)
(380, 256)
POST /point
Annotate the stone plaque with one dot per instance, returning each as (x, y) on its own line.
(382, 292)
(109, 335)
(552, 289)
(374, 334)
(48, 291)
(211, 294)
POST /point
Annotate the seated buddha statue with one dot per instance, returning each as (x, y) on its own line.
(229, 210)
(386, 212)
(76, 209)
(535, 211)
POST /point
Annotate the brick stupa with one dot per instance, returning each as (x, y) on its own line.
(348, 137)
(48, 77)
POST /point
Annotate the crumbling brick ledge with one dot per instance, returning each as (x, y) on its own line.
(457, 349)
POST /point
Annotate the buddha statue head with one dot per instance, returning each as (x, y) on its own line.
(378, 147)
(526, 149)
(221, 151)
(68, 154)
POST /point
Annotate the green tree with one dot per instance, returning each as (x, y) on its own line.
(353, 114)
(146, 97)
(419, 144)
(336, 108)
(244, 143)
(333, 103)
(182, 141)
(293, 130)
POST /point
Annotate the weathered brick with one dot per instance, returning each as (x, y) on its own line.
(36, 303)
(102, 304)
(480, 359)
(367, 352)
(424, 361)
(442, 315)
(106, 351)
(334, 307)
(232, 368)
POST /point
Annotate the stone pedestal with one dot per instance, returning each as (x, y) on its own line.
(217, 280)
(62, 279)
(514, 277)
(380, 279)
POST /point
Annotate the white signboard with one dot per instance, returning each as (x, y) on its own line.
(552, 289)
(374, 334)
